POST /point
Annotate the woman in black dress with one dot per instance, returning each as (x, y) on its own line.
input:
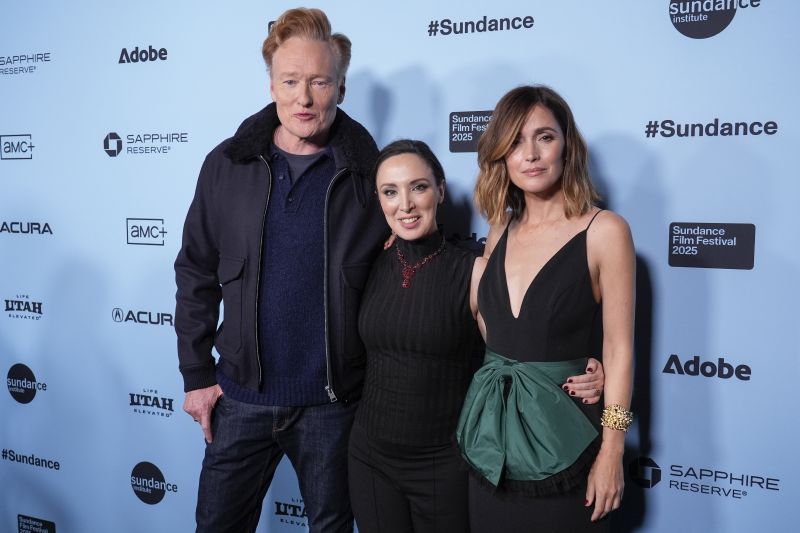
(559, 284)
(417, 321)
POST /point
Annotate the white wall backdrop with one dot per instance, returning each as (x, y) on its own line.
(88, 235)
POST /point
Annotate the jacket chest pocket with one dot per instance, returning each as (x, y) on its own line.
(230, 273)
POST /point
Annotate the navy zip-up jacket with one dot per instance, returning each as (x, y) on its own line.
(219, 260)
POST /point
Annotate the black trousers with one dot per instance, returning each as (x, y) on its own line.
(501, 510)
(403, 489)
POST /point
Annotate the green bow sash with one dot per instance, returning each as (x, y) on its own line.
(536, 432)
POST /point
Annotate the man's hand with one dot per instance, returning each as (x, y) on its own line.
(199, 404)
(389, 241)
(588, 386)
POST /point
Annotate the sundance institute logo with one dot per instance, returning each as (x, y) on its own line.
(22, 384)
(148, 483)
(700, 19)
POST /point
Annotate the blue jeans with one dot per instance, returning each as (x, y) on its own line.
(249, 442)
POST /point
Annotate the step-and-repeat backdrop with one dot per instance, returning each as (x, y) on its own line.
(107, 110)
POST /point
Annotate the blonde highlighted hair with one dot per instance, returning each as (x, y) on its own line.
(495, 194)
(310, 24)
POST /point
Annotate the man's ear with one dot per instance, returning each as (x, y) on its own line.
(341, 91)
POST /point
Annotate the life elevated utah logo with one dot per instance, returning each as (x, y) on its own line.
(149, 402)
(292, 513)
(22, 384)
(22, 307)
(701, 19)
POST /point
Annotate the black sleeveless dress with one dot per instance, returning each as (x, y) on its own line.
(559, 320)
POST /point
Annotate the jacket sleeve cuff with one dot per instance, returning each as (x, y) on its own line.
(198, 378)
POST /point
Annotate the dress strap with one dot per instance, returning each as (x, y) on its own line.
(504, 236)
(594, 217)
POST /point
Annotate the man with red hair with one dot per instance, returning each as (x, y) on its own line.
(282, 230)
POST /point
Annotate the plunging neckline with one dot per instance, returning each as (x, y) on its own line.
(536, 276)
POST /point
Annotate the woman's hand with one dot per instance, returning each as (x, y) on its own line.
(606, 483)
(588, 386)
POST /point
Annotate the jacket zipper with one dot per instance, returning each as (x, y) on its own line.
(329, 386)
(258, 270)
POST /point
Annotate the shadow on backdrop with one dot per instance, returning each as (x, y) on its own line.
(634, 507)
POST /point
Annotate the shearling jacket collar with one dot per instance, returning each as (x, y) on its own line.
(348, 141)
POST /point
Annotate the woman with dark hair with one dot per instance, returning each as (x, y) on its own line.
(417, 321)
(559, 279)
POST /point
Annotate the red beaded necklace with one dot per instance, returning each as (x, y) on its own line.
(408, 270)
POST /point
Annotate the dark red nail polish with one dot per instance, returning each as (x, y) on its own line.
(585, 400)
(572, 393)
(565, 388)
(569, 380)
(585, 502)
(589, 370)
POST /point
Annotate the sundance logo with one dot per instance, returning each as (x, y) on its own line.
(32, 524)
(142, 56)
(148, 483)
(22, 384)
(701, 19)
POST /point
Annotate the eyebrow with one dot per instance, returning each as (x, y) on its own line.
(538, 131)
(412, 182)
(544, 129)
(294, 74)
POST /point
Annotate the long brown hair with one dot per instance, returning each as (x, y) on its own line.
(494, 192)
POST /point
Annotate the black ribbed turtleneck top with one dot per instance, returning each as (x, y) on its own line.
(421, 343)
